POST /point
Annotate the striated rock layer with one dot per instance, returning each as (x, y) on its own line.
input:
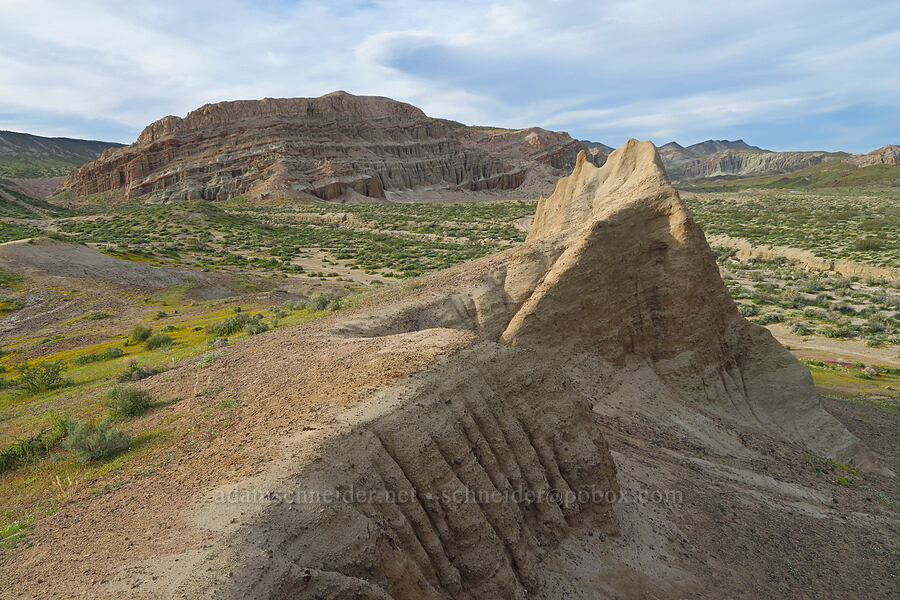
(614, 299)
(886, 155)
(319, 148)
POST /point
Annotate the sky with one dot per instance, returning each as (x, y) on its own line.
(784, 75)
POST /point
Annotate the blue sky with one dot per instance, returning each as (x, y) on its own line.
(785, 75)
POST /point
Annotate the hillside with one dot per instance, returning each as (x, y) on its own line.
(714, 158)
(830, 174)
(335, 147)
(23, 155)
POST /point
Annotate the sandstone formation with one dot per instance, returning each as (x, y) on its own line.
(886, 155)
(323, 148)
(613, 302)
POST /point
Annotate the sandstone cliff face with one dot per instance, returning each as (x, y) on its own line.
(887, 155)
(614, 299)
(316, 148)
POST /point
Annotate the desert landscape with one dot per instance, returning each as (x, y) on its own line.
(340, 347)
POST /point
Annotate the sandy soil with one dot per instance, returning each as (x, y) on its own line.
(816, 347)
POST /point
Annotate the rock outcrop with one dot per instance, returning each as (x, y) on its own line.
(886, 155)
(469, 479)
(318, 148)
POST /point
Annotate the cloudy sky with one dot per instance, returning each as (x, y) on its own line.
(785, 74)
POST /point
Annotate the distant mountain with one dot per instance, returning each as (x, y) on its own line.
(23, 155)
(714, 158)
(710, 146)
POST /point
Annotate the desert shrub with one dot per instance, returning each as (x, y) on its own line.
(134, 372)
(140, 334)
(95, 442)
(96, 316)
(158, 340)
(11, 304)
(125, 401)
(109, 354)
(229, 326)
(801, 329)
(845, 309)
(23, 451)
(747, 310)
(770, 317)
(8, 278)
(838, 331)
(327, 301)
(814, 313)
(255, 327)
(868, 243)
(42, 377)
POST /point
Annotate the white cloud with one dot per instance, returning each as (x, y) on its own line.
(606, 70)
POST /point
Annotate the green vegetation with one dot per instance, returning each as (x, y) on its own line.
(25, 167)
(42, 377)
(857, 225)
(110, 353)
(125, 402)
(13, 532)
(139, 334)
(95, 442)
(830, 174)
(158, 340)
(393, 240)
(23, 451)
(135, 372)
(8, 278)
(834, 306)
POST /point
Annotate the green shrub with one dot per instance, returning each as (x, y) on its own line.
(109, 354)
(8, 278)
(770, 317)
(42, 377)
(140, 334)
(229, 326)
(158, 340)
(95, 442)
(747, 310)
(838, 331)
(134, 372)
(868, 243)
(255, 327)
(327, 301)
(23, 451)
(125, 401)
(96, 316)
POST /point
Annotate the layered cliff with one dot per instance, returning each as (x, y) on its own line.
(322, 148)
(886, 155)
